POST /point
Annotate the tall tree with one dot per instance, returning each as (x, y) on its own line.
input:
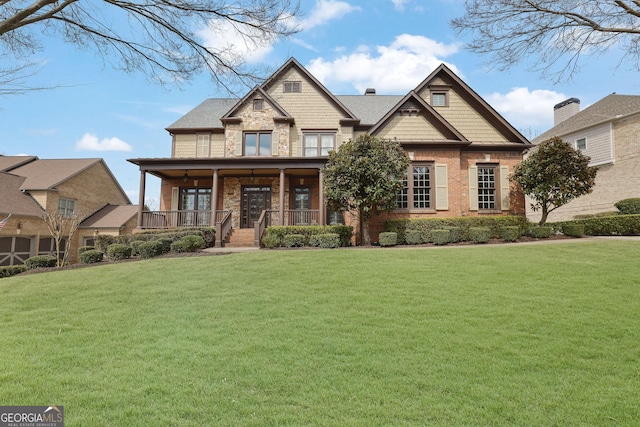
(554, 32)
(365, 176)
(553, 175)
(164, 39)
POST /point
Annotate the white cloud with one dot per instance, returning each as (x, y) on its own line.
(396, 68)
(325, 11)
(235, 44)
(525, 109)
(90, 142)
(399, 4)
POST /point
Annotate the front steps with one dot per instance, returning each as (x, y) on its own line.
(240, 238)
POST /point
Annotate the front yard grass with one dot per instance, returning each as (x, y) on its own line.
(499, 335)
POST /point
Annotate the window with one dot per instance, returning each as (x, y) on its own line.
(196, 202)
(319, 144)
(258, 104)
(47, 246)
(202, 146)
(486, 187)
(66, 207)
(257, 144)
(581, 144)
(291, 87)
(302, 198)
(439, 99)
(417, 189)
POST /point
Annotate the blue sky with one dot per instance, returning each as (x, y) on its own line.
(391, 45)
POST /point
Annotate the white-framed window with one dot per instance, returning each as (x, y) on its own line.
(257, 144)
(439, 99)
(581, 144)
(487, 188)
(417, 188)
(202, 146)
(292, 87)
(66, 207)
(318, 144)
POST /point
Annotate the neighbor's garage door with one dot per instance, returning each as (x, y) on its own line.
(14, 250)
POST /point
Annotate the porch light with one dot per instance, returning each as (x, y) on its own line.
(185, 178)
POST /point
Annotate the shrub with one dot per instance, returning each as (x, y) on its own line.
(413, 237)
(345, 232)
(509, 233)
(540, 232)
(628, 206)
(166, 244)
(82, 249)
(388, 239)
(40, 261)
(294, 240)
(135, 246)
(118, 252)
(440, 237)
(150, 249)
(573, 230)
(91, 256)
(192, 243)
(616, 225)
(102, 242)
(12, 270)
(327, 240)
(270, 241)
(455, 233)
(479, 234)
(177, 247)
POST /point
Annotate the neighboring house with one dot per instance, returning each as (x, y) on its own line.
(69, 186)
(609, 133)
(259, 160)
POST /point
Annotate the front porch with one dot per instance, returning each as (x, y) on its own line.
(232, 194)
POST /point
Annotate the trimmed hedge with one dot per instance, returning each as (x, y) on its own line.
(118, 252)
(455, 233)
(479, 234)
(615, 225)
(192, 243)
(294, 240)
(440, 237)
(326, 241)
(277, 233)
(628, 206)
(388, 238)
(82, 249)
(271, 241)
(40, 261)
(174, 234)
(509, 233)
(540, 232)
(426, 225)
(413, 237)
(150, 249)
(573, 230)
(12, 270)
(91, 257)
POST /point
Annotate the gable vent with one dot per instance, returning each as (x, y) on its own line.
(370, 91)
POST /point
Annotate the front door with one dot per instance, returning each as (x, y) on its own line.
(254, 201)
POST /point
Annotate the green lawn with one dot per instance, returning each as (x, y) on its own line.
(483, 335)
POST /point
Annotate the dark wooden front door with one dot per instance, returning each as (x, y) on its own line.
(254, 201)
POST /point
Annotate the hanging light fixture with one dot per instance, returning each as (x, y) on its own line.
(185, 178)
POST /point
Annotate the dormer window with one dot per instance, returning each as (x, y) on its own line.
(292, 87)
(258, 104)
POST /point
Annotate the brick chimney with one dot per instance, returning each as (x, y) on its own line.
(565, 109)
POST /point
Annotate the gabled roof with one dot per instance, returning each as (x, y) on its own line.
(293, 63)
(7, 163)
(205, 116)
(480, 105)
(610, 108)
(13, 200)
(427, 111)
(259, 91)
(369, 108)
(47, 174)
(111, 216)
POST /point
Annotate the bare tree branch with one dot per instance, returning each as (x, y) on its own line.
(553, 34)
(164, 39)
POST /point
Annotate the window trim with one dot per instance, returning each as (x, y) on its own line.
(497, 200)
(292, 86)
(578, 143)
(319, 134)
(65, 212)
(410, 189)
(258, 151)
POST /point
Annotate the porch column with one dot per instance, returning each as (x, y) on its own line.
(281, 196)
(321, 197)
(214, 197)
(143, 178)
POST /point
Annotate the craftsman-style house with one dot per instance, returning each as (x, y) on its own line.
(257, 161)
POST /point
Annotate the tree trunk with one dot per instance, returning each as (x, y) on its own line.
(366, 239)
(543, 218)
